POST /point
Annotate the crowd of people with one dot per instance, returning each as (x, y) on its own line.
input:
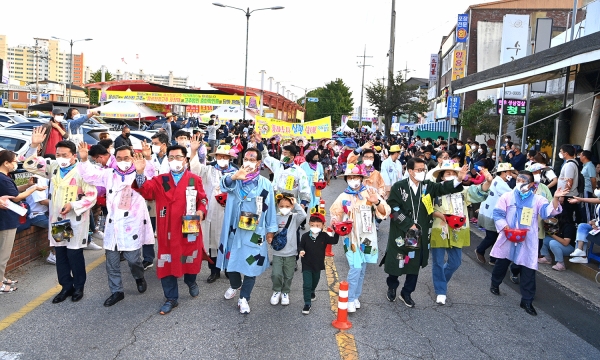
(199, 196)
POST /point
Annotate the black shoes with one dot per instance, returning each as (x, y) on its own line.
(77, 295)
(407, 300)
(147, 264)
(62, 295)
(528, 308)
(213, 277)
(114, 298)
(391, 294)
(141, 285)
(313, 296)
(495, 290)
(194, 290)
(306, 310)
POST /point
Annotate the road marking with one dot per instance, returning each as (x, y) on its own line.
(345, 341)
(4, 355)
(29, 307)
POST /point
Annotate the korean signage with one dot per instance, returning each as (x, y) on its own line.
(182, 99)
(515, 107)
(515, 44)
(462, 28)
(319, 129)
(453, 107)
(433, 67)
(458, 64)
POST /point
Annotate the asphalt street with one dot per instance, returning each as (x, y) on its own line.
(474, 324)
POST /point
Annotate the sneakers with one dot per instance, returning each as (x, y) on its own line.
(357, 304)
(544, 260)
(93, 246)
(51, 259)
(306, 309)
(230, 293)
(313, 296)
(578, 252)
(147, 264)
(275, 298)
(243, 305)
(351, 307)
(98, 235)
(559, 266)
(285, 299)
(441, 300)
(579, 260)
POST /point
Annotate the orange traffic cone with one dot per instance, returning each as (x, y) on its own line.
(342, 322)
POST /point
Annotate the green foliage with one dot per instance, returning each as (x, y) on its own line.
(94, 95)
(335, 100)
(544, 130)
(481, 118)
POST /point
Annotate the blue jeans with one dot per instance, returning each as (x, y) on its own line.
(583, 231)
(356, 277)
(39, 221)
(170, 287)
(235, 281)
(559, 250)
(441, 270)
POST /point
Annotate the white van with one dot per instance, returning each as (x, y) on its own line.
(4, 110)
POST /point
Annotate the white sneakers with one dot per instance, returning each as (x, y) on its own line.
(98, 235)
(579, 260)
(578, 252)
(275, 298)
(351, 307)
(243, 305)
(230, 293)
(357, 304)
(93, 246)
(51, 259)
(285, 299)
(441, 300)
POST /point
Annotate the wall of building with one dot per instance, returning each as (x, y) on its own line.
(30, 244)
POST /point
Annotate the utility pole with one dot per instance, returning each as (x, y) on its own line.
(406, 71)
(362, 87)
(388, 116)
(262, 87)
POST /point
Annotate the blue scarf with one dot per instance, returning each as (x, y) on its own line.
(227, 170)
(287, 166)
(177, 176)
(65, 171)
(356, 192)
(519, 205)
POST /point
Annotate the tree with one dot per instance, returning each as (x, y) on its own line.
(94, 78)
(405, 100)
(544, 130)
(481, 118)
(335, 100)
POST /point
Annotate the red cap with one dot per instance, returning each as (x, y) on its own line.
(319, 216)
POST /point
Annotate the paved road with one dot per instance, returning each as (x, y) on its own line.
(473, 324)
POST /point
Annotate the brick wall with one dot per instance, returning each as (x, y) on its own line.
(28, 247)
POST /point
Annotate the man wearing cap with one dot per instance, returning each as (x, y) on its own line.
(391, 169)
(499, 187)
(55, 133)
(211, 178)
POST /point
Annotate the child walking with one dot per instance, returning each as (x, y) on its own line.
(312, 252)
(285, 246)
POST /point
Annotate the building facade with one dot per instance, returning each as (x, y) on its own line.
(168, 80)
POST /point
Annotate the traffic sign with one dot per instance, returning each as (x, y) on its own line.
(311, 99)
(45, 96)
(33, 97)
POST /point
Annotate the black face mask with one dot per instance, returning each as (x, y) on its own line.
(127, 135)
(313, 161)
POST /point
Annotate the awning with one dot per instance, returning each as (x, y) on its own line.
(545, 65)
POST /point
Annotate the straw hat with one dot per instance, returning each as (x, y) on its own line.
(538, 167)
(355, 170)
(502, 167)
(446, 165)
(222, 150)
(395, 149)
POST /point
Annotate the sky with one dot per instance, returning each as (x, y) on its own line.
(307, 44)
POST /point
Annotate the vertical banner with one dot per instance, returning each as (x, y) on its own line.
(515, 45)
(462, 28)
(453, 107)
(433, 67)
(458, 64)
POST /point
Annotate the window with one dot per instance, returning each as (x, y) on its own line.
(11, 144)
(15, 97)
(28, 96)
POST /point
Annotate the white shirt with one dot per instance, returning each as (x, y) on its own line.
(33, 200)
(161, 168)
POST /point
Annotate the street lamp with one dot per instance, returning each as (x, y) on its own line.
(247, 12)
(306, 90)
(71, 42)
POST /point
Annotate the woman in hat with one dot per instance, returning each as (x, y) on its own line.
(359, 204)
(450, 231)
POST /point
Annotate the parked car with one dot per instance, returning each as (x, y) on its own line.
(15, 140)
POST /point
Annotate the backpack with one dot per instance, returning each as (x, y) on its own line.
(280, 239)
(580, 179)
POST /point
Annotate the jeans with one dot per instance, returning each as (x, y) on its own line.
(310, 280)
(559, 250)
(282, 273)
(148, 252)
(39, 221)
(170, 287)
(410, 283)
(113, 267)
(442, 271)
(583, 230)
(526, 284)
(70, 268)
(488, 241)
(356, 277)
(235, 281)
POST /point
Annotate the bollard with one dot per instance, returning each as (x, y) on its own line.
(342, 322)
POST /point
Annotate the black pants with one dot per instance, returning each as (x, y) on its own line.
(488, 241)
(527, 281)
(213, 267)
(70, 267)
(410, 283)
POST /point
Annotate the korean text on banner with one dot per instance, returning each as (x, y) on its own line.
(453, 107)
(433, 67)
(183, 99)
(462, 28)
(318, 129)
(458, 67)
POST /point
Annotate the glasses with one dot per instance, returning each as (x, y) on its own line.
(420, 170)
(176, 157)
(320, 211)
(283, 195)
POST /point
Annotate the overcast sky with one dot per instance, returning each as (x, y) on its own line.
(308, 44)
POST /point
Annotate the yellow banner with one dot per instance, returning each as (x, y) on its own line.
(182, 99)
(458, 65)
(318, 129)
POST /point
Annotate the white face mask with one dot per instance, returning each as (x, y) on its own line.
(124, 165)
(494, 157)
(480, 151)
(354, 184)
(508, 178)
(184, 143)
(537, 178)
(251, 165)
(223, 163)
(368, 162)
(111, 151)
(450, 178)
(59, 118)
(560, 155)
(285, 211)
(176, 166)
(315, 230)
(62, 162)
(474, 147)
(420, 176)
(458, 147)
(155, 149)
(523, 188)
(597, 193)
